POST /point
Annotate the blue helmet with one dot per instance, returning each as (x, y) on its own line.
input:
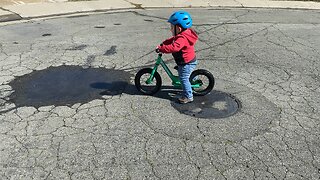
(181, 18)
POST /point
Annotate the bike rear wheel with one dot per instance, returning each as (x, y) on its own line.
(141, 84)
(205, 79)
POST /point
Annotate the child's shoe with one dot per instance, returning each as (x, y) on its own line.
(185, 100)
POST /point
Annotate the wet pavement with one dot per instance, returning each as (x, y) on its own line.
(66, 86)
(69, 108)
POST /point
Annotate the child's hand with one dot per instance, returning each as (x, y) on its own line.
(158, 48)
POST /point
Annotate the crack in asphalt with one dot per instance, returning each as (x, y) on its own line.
(149, 161)
(235, 39)
(137, 6)
(225, 22)
(190, 159)
(150, 16)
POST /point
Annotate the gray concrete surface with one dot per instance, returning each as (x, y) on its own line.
(8, 16)
(267, 58)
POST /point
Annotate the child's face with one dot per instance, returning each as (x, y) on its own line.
(178, 29)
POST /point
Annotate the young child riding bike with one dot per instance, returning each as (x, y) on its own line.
(181, 45)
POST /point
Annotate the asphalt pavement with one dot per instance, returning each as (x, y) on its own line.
(69, 108)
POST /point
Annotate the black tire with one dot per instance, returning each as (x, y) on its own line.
(141, 78)
(206, 79)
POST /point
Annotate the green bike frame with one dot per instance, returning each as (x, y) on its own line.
(175, 79)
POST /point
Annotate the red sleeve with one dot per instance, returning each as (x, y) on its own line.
(168, 41)
(174, 46)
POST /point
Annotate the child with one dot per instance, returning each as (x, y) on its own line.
(181, 45)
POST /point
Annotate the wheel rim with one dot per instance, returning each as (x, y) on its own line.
(143, 83)
(204, 80)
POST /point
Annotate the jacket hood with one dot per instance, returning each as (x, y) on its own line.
(191, 36)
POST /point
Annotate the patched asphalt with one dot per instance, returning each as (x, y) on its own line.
(69, 108)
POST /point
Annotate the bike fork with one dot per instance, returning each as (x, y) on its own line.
(154, 70)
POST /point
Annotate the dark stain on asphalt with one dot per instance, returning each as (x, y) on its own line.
(148, 20)
(79, 47)
(46, 34)
(117, 24)
(215, 105)
(111, 51)
(67, 85)
(99, 27)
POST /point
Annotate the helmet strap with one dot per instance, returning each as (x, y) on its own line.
(175, 30)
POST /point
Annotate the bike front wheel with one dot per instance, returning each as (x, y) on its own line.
(204, 79)
(141, 84)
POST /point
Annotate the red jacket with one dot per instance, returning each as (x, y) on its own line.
(181, 46)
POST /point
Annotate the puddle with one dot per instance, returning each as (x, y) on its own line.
(212, 106)
(67, 85)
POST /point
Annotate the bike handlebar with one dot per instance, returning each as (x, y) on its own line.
(158, 51)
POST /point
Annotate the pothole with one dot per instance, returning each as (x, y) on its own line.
(67, 85)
